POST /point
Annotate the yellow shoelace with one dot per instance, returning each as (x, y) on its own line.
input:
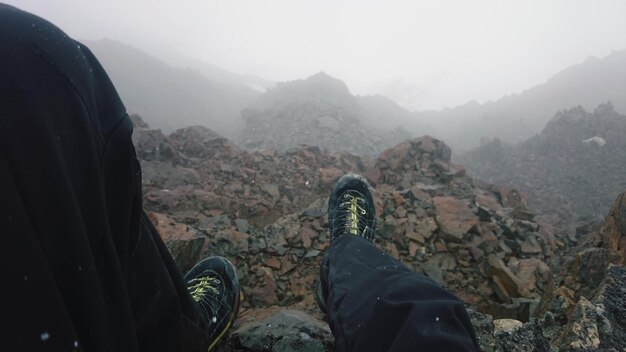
(354, 212)
(202, 285)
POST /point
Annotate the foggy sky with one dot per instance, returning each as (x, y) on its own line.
(423, 54)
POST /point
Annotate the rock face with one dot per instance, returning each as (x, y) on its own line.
(588, 311)
(266, 212)
(284, 330)
(317, 111)
(573, 168)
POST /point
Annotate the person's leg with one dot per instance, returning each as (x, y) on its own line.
(375, 303)
(83, 268)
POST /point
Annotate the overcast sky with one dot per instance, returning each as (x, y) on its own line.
(423, 54)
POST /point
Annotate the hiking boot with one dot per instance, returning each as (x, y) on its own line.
(351, 208)
(351, 212)
(213, 284)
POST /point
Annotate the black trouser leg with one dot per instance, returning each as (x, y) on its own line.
(375, 303)
(81, 266)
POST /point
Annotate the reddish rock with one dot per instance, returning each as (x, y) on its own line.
(415, 237)
(239, 240)
(507, 284)
(373, 176)
(454, 217)
(287, 266)
(398, 199)
(400, 213)
(300, 286)
(266, 293)
(440, 247)
(614, 229)
(330, 175)
(413, 247)
(184, 244)
(531, 269)
(272, 262)
(489, 202)
(306, 235)
(394, 251)
(420, 195)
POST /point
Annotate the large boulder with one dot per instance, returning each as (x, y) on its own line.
(282, 331)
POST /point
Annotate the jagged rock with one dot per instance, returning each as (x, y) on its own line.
(599, 324)
(328, 176)
(483, 326)
(283, 331)
(184, 243)
(614, 229)
(506, 335)
(581, 334)
(138, 122)
(506, 284)
(527, 338)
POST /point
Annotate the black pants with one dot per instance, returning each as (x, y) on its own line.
(81, 266)
(375, 303)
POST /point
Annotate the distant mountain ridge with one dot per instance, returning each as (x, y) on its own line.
(517, 117)
(213, 72)
(169, 97)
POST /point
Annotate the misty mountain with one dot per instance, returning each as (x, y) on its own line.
(168, 97)
(517, 117)
(384, 113)
(213, 72)
(321, 111)
(573, 168)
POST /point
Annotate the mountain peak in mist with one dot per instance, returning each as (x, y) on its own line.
(516, 117)
(319, 87)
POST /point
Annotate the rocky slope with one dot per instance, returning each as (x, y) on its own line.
(573, 168)
(320, 111)
(266, 211)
